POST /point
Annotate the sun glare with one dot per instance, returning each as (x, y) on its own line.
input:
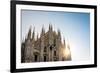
(67, 51)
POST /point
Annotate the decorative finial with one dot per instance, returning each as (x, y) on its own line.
(64, 42)
(33, 35)
(29, 33)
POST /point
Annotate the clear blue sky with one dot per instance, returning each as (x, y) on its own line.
(74, 26)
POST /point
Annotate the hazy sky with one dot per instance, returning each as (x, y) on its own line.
(74, 26)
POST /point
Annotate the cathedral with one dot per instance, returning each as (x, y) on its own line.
(45, 48)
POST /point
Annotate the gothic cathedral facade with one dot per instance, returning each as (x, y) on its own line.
(48, 47)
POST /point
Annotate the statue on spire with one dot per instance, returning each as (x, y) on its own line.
(29, 34)
(33, 34)
(59, 34)
(64, 42)
(43, 30)
(50, 27)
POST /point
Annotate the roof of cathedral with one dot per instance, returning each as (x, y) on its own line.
(46, 37)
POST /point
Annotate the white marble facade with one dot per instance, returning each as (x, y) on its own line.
(47, 47)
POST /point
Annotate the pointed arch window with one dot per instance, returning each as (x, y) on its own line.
(45, 49)
(51, 48)
(45, 58)
(35, 58)
(55, 53)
